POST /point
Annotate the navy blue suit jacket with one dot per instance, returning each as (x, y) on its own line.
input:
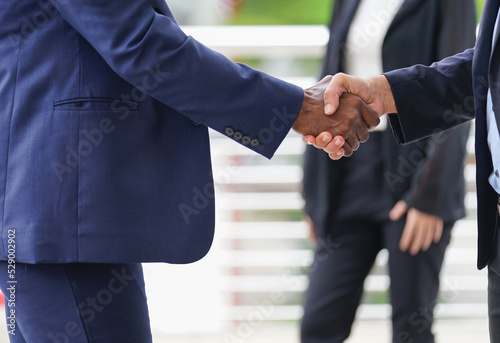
(104, 150)
(452, 91)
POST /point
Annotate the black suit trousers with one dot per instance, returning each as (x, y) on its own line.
(342, 262)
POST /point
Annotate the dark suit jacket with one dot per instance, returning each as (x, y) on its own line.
(451, 92)
(423, 31)
(104, 149)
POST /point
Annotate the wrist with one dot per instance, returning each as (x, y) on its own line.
(301, 121)
(384, 93)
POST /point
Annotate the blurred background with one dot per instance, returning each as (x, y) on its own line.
(249, 287)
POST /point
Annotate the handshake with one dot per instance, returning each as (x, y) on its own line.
(332, 118)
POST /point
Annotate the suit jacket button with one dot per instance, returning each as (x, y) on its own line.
(238, 136)
(254, 143)
(229, 131)
(246, 140)
(195, 123)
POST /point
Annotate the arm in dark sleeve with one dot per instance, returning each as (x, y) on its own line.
(195, 81)
(431, 99)
(438, 185)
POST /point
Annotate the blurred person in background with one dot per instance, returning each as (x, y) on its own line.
(405, 199)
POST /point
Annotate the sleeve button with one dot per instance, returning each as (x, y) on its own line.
(238, 136)
(254, 143)
(246, 140)
(229, 131)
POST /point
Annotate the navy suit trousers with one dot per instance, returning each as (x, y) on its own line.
(494, 288)
(494, 305)
(75, 303)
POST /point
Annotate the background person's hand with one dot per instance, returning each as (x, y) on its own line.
(420, 231)
(352, 120)
(312, 228)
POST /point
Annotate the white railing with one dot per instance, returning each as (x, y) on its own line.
(263, 41)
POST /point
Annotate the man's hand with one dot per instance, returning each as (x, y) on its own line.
(351, 121)
(420, 231)
(375, 92)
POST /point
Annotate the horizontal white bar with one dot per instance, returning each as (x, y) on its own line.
(268, 312)
(259, 201)
(221, 146)
(257, 41)
(456, 285)
(262, 230)
(303, 258)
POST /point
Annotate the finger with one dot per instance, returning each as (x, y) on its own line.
(323, 139)
(428, 236)
(312, 228)
(333, 92)
(418, 240)
(369, 116)
(406, 237)
(353, 142)
(398, 211)
(362, 133)
(347, 149)
(335, 145)
(338, 155)
(309, 140)
(410, 239)
(439, 231)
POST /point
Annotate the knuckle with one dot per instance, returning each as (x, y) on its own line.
(351, 116)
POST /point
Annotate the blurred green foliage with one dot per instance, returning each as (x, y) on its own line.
(291, 12)
(283, 12)
(479, 6)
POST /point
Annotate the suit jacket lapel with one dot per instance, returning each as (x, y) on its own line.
(481, 63)
(490, 42)
(348, 11)
(344, 11)
(494, 53)
(482, 53)
(407, 7)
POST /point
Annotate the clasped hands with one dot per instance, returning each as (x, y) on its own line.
(336, 116)
(340, 130)
(338, 112)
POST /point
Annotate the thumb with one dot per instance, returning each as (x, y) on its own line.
(337, 87)
(398, 211)
(370, 117)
